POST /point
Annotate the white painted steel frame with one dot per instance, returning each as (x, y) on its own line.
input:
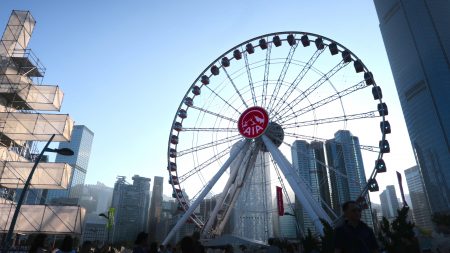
(205, 191)
(312, 207)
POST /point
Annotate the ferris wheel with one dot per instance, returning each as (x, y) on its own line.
(235, 128)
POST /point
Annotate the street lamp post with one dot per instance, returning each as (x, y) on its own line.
(62, 151)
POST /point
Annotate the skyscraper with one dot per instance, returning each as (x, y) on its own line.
(419, 201)
(347, 178)
(131, 204)
(155, 209)
(309, 162)
(389, 202)
(417, 41)
(81, 144)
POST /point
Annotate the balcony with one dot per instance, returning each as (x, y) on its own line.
(13, 175)
(36, 126)
(43, 219)
(27, 63)
(7, 155)
(22, 94)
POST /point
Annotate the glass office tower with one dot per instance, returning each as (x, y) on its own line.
(81, 144)
(417, 41)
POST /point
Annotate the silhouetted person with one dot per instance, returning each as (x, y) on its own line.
(153, 247)
(354, 236)
(198, 247)
(66, 245)
(273, 248)
(86, 247)
(187, 245)
(229, 249)
(38, 245)
(141, 243)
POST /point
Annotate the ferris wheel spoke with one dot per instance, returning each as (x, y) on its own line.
(234, 86)
(338, 95)
(280, 80)
(299, 78)
(249, 76)
(209, 129)
(313, 138)
(363, 115)
(213, 113)
(203, 165)
(209, 145)
(266, 75)
(223, 100)
(314, 86)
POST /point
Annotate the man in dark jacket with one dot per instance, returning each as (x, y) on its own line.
(354, 236)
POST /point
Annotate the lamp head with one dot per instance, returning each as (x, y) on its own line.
(61, 151)
(65, 151)
(103, 215)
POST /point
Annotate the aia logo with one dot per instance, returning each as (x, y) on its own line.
(253, 122)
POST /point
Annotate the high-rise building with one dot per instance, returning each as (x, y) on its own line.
(131, 204)
(168, 211)
(389, 202)
(419, 201)
(155, 210)
(309, 162)
(347, 178)
(286, 226)
(81, 144)
(417, 41)
(95, 229)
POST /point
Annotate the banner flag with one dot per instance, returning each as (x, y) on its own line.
(280, 201)
(110, 223)
(399, 177)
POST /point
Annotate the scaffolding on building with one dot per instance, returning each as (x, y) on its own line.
(22, 127)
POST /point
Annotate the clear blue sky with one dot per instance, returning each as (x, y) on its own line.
(124, 66)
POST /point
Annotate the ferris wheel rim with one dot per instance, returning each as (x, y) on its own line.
(177, 187)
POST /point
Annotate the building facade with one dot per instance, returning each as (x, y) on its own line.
(308, 159)
(347, 179)
(417, 41)
(95, 229)
(389, 202)
(131, 203)
(419, 201)
(81, 144)
(156, 209)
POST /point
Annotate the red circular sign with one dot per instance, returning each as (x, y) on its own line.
(253, 122)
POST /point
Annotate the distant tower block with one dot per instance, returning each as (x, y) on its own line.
(17, 33)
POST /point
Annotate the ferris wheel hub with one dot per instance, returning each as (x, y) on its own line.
(253, 122)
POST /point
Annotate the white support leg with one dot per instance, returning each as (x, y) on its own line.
(238, 186)
(313, 202)
(205, 191)
(226, 189)
(301, 193)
